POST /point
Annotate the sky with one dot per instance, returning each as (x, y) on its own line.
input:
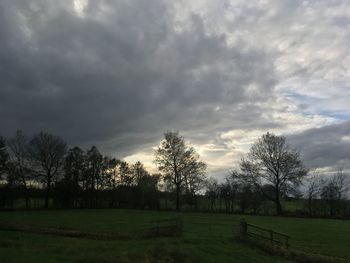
(118, 74)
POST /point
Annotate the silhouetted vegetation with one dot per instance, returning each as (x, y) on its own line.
(271, 161)
(41, 168)
(39, 172)
(181, 166)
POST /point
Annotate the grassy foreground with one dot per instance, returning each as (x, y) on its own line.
(206, 237)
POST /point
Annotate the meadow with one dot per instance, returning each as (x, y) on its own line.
(206, 237)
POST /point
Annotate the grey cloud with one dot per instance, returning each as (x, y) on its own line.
(122, 74)
(324, 147)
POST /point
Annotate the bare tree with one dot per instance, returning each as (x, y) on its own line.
(75, 167)
(46, 153)
(94, 161)
(19, 163)
(341, 181)
(194, 177)
(139, 173)
(313, 189)
(229, 189)
(109, 172)
(334, 191)
(271, 160)
(3, 157)
(125, 174)
(213, 191)
(178, 162)
(246, 193)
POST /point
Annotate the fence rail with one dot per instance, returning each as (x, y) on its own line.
(165, 227)
(249, 230)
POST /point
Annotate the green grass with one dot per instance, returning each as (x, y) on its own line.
(206, 237)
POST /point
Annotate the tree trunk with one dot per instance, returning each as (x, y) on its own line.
(310, 206)
(27, 201)
(279, 208)
(278, 201)
(26, 192)
(27, 197)
(177, 197)
(48, 188)
(278, 204)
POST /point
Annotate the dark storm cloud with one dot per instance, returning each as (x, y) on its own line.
(120, 73)
(324, 147)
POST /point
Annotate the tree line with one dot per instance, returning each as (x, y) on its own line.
(41, 167)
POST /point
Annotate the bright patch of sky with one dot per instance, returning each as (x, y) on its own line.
(309, 41)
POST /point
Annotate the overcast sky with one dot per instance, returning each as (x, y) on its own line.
(118, 74)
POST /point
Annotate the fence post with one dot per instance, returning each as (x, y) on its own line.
(271, 237)
(243, 227)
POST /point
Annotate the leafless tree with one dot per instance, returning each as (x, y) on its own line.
(3, 157)
(46, 153)
(194, 176)
(139, 172)
(246, 193)
(341, 181)
(229, 189)
(179, 163)
(334, 191)
(271, 161)
(19, 163)
(314, 184)
(213, 191)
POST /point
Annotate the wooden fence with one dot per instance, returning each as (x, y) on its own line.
(253, 231)
(165, 227)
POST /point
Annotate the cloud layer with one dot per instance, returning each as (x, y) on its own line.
(119, 73)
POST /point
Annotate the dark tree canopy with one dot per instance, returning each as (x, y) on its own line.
(47, 154)
(180, 164)
(271, 161)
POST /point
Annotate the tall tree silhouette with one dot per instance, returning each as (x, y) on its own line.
(46, 152)
(334, 190)
(75, 165)
(74, 171)
(3, 157)
(177, 161)
(109, 172)
(271, 160)
(94, 167)
(94, 174)
(19, 169)
(139, 172)
(125, 174)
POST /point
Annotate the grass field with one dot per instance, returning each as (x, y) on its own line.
(205, 238)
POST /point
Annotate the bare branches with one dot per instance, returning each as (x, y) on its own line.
(180, 164)
(46, 153)
(271, 161)
(3, 157)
